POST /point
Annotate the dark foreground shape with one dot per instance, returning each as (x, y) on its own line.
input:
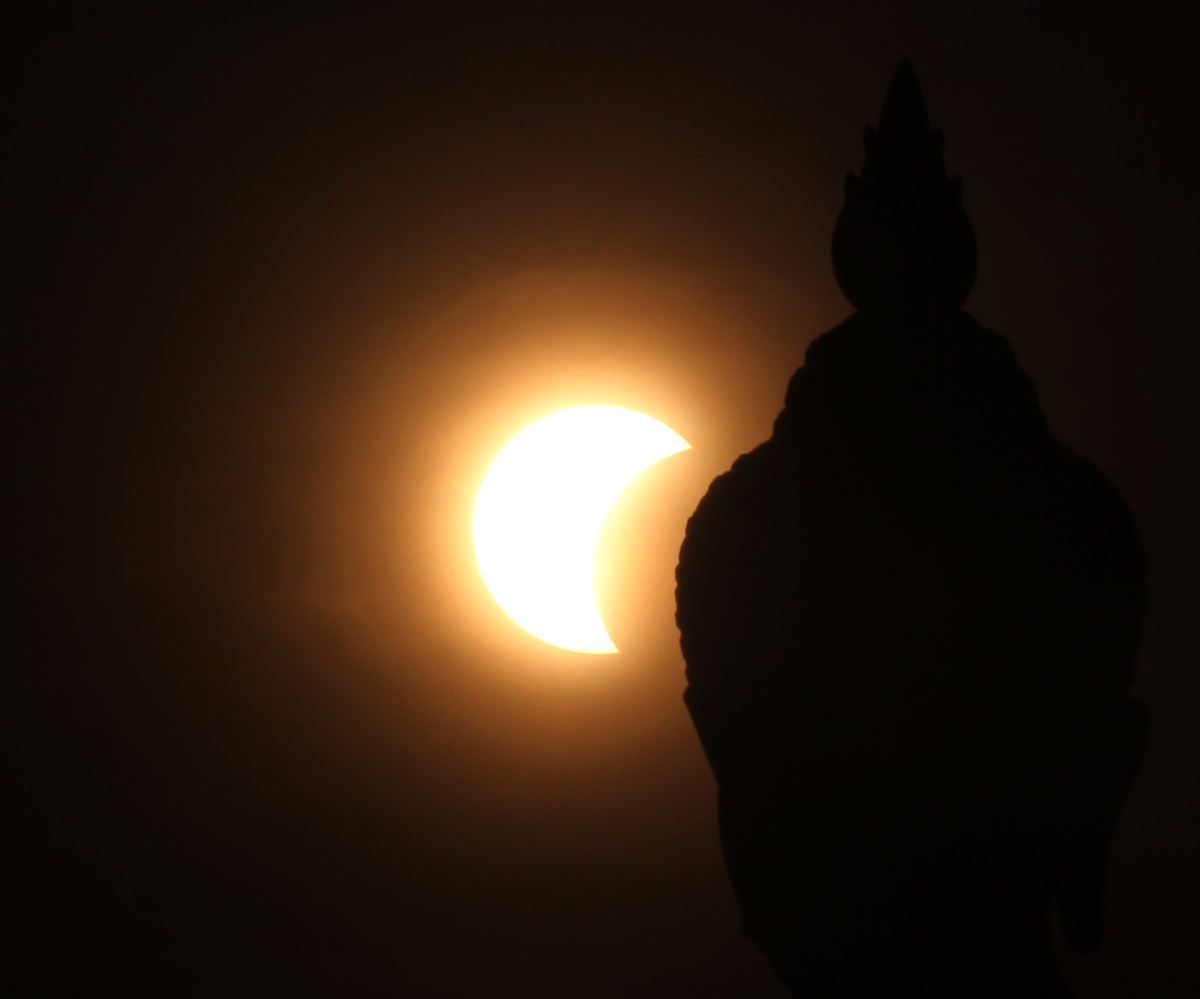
(910, 621)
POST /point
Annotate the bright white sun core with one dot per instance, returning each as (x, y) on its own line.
(540, 509)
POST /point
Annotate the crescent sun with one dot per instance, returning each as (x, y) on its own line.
(540, 509)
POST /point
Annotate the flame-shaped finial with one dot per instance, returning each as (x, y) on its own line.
(903, 243)
(904, 105)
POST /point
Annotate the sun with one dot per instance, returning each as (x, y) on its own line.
(540, 509)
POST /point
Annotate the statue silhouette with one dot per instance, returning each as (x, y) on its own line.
(910, 621)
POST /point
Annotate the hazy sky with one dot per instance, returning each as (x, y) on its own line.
(287, 278)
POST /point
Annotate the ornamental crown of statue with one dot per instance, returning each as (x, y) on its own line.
(903, 243)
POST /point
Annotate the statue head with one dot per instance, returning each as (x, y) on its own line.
(911, 621)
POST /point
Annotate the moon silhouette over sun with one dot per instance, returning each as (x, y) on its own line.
(540, 509)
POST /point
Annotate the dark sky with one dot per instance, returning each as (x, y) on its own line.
(286, 277)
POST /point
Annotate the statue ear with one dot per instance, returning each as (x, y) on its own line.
(1106, 780)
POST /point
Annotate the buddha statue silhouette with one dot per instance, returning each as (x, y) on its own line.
(910, 620)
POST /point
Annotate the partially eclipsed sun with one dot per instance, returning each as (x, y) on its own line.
(540, 509)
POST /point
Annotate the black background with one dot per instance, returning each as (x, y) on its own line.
(282, 277)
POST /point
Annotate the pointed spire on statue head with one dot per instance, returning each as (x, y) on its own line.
(904, 105)
(903, 243)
